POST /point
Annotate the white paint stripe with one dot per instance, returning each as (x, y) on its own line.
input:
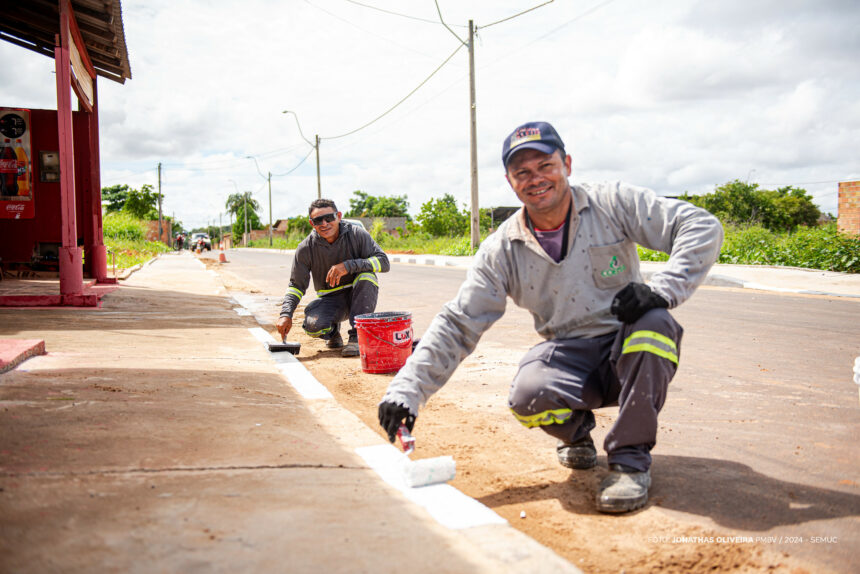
(450, 507)
(242, 311)
(302, 380)
(296, 374)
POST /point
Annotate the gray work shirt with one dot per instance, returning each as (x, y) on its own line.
(571, 298)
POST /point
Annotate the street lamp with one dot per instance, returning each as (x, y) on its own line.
(270, 194)
(316, 146)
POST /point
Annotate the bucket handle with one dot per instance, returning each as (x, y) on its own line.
(402, 345)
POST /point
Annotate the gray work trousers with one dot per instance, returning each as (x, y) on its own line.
(324, 314)
(561, 381)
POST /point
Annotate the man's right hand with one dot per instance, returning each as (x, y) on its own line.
(284, 325)
(390, 417)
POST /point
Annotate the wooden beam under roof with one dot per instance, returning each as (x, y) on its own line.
(34, 24)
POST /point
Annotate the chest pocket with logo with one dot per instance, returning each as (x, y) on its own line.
(610, 264)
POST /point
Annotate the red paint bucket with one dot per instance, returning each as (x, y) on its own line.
(384, 340)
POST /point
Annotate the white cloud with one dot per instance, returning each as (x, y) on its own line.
(672, 94)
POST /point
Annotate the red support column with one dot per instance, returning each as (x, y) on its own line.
(71, 262)
(96, 250)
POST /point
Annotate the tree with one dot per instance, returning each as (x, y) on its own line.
(441, 217)
(236, 201)
(142, 203)
(744, 203)
(364, 205)
(113, 197)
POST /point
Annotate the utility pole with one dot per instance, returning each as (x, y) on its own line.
(319, 186)
(160, 229)
(270, 209)
(475, 218)
(245, 235)
(220, 232)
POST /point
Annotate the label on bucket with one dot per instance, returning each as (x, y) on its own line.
(401, 336)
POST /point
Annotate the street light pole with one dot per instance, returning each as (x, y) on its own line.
(475, 218)
(269, 179)
(271, 241)
(319, 185)
(245, 235)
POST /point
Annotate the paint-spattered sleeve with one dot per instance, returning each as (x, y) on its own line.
(452, 335)
(299, 279)
(690, 235)
(371, 257)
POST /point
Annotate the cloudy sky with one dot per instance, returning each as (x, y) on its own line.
(676, 95)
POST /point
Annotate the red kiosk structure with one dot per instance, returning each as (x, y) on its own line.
(50, 187)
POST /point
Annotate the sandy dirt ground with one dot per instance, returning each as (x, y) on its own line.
(558, 503)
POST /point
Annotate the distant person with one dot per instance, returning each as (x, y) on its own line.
(180, 239)
(569, 257)
(343, 260)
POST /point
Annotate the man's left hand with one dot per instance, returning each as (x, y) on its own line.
(635, 300)
(335, 274)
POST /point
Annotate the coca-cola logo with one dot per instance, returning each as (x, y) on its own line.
(15, 207)
(9, 165)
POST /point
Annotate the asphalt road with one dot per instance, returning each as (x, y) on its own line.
(762, 424)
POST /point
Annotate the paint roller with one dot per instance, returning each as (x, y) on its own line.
(426, 471)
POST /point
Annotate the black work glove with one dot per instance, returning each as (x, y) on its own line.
(634, 301)
(390, 417)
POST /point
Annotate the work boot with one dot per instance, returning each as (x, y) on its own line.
(625, 489)
(580, 455)
(335, 342)
(351, 349)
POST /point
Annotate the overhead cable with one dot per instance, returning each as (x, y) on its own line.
(446, 25)
(392, 108)
(296, 166)
(517, 15)
(399, 14)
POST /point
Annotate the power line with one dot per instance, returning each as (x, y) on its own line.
(296, 167)
(333, 15)
(392, 108)
(427, 20)
(517, 15)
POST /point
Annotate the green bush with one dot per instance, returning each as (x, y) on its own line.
(123, 225)
(820, 247)
(441, 217)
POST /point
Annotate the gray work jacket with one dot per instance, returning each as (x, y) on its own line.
(354, 247)
(571, 298)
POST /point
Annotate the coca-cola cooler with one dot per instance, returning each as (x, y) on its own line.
(30, 206)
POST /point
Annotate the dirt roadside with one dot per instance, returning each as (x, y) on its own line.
(558, 503)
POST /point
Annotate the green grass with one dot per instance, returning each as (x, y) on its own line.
(808, 247)
(125, 241)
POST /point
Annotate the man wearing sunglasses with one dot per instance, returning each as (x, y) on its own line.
(343, 261)
(569, 257)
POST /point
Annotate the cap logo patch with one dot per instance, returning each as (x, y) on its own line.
(524, 135)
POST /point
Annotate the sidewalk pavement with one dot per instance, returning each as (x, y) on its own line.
(158, 434)
(765, 278)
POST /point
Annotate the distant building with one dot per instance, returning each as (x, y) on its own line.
(848, 219)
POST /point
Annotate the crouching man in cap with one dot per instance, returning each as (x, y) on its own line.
(569, 257)
(343, 260)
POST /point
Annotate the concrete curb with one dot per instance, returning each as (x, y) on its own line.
(490, 534)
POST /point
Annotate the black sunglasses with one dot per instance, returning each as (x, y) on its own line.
(328, 218)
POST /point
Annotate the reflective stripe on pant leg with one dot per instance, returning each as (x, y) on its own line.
(651, 342)
(324, 313)
(554, 389)
(555, 417)
(362, 299)
(645, 359)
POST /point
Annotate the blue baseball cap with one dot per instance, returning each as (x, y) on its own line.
(532, 135)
